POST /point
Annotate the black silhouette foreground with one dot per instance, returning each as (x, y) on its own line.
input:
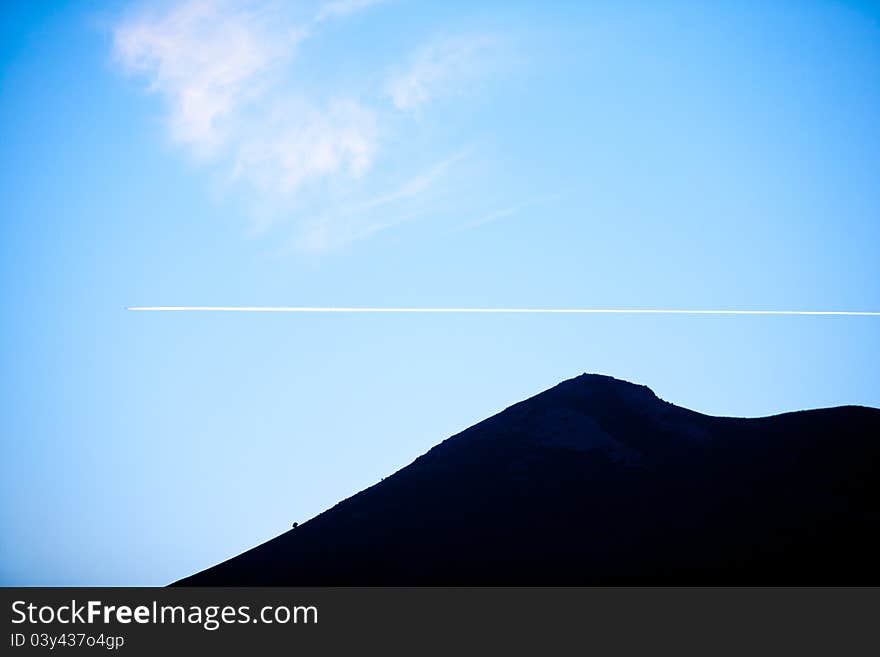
(597, 481)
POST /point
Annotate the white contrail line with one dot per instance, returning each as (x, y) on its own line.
(590, 311)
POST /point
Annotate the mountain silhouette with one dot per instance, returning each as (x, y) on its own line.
(598, 481)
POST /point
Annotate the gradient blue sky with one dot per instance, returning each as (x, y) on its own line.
(536, 154)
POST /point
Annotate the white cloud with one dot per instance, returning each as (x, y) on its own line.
(206, 58)
(298, 142)
(438, 69)
(220, 64)
(227, 71)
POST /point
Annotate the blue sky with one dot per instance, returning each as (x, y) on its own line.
(354, 153)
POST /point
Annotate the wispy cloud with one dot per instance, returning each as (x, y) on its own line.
(492, 216)
(365, 218)
(227, 71)
(440, 68)
(413, 186)
(508, 211)
(342, 8)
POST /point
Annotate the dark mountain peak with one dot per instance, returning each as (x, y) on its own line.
(598, 481)
(594, 379)
(597, 395)
(607, 388)
(622, 420)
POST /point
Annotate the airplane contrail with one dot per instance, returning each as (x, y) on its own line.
(591, 311)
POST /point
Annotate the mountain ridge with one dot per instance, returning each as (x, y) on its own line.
(599, 481)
